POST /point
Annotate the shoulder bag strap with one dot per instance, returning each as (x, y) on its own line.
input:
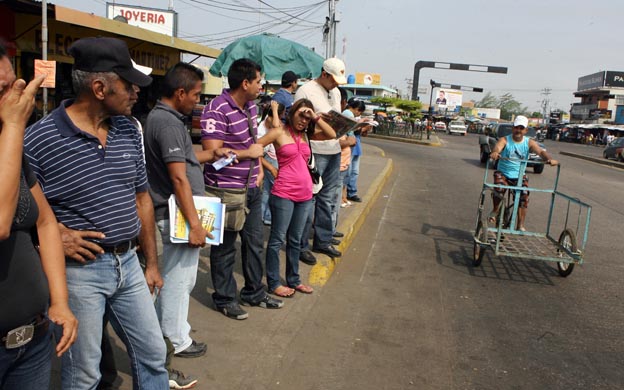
(253, 136)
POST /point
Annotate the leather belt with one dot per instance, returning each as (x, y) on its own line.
(24, 334)
(119, 248)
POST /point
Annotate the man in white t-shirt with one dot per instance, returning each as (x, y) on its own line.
(324, 95)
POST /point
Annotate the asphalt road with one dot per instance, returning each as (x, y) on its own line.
(410, 311)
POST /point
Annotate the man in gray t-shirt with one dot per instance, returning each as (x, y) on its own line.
(174, 168)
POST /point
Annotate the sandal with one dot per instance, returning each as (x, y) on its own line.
(492, 217)
(283, 292)
(302, 288)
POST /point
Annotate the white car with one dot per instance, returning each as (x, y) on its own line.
(456, 127)
(439, 126)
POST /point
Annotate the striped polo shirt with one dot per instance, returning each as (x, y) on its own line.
(89, 187)
(223, 120)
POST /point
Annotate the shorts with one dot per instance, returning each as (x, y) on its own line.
(500, 179)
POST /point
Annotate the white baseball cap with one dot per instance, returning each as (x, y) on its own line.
(336, 68)
(146, 70)
(521, 120)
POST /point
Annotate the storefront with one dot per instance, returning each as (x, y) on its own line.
(20, 27)
(600, 95)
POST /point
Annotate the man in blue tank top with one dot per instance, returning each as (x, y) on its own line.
(513, 148)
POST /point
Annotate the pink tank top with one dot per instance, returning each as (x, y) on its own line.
(293, 179)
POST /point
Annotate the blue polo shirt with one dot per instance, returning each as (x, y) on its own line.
(89, 186)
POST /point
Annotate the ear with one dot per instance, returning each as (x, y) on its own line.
(179, 93)
(98, 87)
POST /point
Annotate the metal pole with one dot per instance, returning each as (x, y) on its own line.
(332, 16)
(44, 48)
(429, 124)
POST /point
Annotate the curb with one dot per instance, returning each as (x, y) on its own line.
(601, 161)
(323, 269)
(435, 141)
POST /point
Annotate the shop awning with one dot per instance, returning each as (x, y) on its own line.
(72, 16)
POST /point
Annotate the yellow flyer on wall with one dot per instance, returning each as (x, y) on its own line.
(210, 211)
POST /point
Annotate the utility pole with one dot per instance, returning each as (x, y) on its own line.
(332, 30)
(44, 48)
(545, 104)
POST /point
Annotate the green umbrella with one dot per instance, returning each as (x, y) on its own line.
(274, 54)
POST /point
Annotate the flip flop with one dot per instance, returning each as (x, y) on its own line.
(492, 217)
(302, 288)
(283, 292)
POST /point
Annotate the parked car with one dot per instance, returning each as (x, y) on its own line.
(487, 143)
(439, 126)
(456, 127)
(615, 150)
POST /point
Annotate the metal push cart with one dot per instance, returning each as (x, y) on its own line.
(567, 216)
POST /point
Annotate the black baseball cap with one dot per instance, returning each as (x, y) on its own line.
(105, 54)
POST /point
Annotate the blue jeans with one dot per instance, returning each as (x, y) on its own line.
(29, 366)
(354, 172)
(267, 186)
(325, 202)
(178, 268)
(223, 257)
(288, 218)
(115, 284)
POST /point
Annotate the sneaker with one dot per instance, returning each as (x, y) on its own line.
(266, 303)
(233, 310)
(178, 380)
(354, 198)
(194, 350)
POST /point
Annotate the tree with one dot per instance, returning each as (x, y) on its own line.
(384, 101)
(536, 114)
(488, 101)
(506, 103)
(412, 107)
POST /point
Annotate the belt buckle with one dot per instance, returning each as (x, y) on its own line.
(19, 336)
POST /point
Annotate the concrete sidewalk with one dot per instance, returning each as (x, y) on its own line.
(236, 348)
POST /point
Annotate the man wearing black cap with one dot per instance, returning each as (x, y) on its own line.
(284, 95)
(96, 183)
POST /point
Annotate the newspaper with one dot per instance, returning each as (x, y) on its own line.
(211, 213)
(342, 124)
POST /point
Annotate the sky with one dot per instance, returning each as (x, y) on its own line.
(543, 43)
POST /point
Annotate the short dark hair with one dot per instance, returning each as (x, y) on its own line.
(357, 104)
(181, 75)
(344, 95)
(241, 70)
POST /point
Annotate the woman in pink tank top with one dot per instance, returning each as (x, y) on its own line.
(291, 196)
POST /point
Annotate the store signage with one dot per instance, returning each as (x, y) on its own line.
(153, 19)
(614, 79)
(591, 81)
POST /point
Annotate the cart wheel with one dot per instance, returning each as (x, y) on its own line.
(567, 240)
(478, 250)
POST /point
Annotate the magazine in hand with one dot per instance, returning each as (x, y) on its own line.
(211, 213)
(342, 124)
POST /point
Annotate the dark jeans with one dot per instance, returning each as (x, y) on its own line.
(288, 219)
(325, 202)
(29, 366)
(223, 257)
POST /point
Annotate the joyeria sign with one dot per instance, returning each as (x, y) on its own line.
(160, 21)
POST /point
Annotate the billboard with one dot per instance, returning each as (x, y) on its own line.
(157, 20)
(448, 98)
(591, 81)
(367, 78)
(614, 79)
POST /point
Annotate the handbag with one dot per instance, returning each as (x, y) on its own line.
(234, 199)
(317, 180)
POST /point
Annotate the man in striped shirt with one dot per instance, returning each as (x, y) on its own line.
(230, 121)
(88, 158)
